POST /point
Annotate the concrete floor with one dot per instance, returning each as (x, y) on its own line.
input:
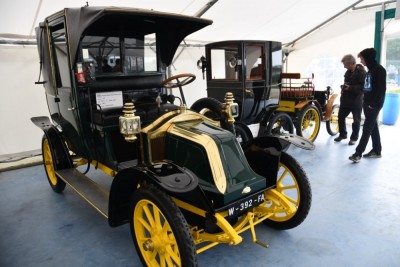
(354, 218)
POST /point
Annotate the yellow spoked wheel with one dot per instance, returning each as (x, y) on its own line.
(332, 125)
(308, 122)
(159, 230)
(56, 183)
(293, 183)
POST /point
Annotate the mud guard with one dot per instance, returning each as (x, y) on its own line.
(281, 142)
(329, 105)
(59, 151)
(168, 176)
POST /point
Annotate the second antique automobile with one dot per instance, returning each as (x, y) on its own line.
(270, 102)
(182, 182)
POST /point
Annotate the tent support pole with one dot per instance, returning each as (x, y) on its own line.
(292, 43)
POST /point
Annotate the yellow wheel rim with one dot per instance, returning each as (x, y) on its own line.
(310, 124)
(335, 120)
(48, 163)
(288, 186)
(154, 236)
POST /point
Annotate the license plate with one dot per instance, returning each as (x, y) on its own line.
(246, 203)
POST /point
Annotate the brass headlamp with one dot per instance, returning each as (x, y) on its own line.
(129, 124)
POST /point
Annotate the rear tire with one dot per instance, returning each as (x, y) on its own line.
(55, 182)
(332, 125)
(159, 230)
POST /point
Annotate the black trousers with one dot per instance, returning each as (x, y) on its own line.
(370, 129)
(343, 113)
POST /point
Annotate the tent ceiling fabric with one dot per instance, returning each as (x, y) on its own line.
(233, 19)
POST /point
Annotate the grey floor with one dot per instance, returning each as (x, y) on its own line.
(354, 218)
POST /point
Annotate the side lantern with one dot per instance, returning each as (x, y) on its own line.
(129, 124)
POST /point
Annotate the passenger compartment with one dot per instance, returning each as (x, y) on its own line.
(108, 95)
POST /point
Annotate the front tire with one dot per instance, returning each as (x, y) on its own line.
(293, 183)
(159, 230)
(308, 122)
(55, 182)
(209, 107)
(280, 123)
(243, 134)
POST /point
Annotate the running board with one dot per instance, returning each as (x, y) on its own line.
(93, 193)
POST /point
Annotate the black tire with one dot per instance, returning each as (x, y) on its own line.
(166, 240)
(280, 123)
(209, 107)
(292, 182)
(243, 134)
(55, 182)
(309, 122)
(332, 125)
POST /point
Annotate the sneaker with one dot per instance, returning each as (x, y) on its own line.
(339, 138)
(352, 142)
(372, 154)
(355, 158)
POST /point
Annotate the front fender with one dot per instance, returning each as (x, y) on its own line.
(170, 177)
(281, 142)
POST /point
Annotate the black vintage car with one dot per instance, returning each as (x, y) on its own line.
(270, 102)
(183, 182)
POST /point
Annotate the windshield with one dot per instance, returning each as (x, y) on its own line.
(113, 55)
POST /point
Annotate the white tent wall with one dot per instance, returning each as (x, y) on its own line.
(21, 99)
(187, 63)
(19, 67)
(321, 52)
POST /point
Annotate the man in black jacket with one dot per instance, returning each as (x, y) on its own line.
(351, 98)
(374, 96)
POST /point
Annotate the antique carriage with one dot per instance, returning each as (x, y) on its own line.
(270, 102)
(182, 182)
(308, 107)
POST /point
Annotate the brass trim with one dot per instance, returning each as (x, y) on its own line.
(49, 44)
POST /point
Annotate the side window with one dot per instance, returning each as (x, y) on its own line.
(140, 54)
(150, 52)
(276, 70)
(60, 57)
(134, 54)
(254, 64)
(225, 63)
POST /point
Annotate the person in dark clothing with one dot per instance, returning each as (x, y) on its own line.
(374, 97)
(106, 67)
(351, 98)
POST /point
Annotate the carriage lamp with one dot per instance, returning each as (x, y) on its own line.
(129, 124)
(231, 108)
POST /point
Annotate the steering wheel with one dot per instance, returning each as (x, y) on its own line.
(188, 79)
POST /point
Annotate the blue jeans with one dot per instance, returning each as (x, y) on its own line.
(370, 129)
